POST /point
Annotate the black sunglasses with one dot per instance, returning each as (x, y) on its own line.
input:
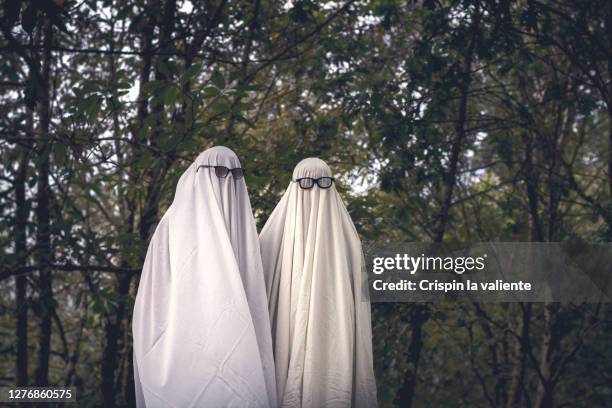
(307, 182)
(222, 171)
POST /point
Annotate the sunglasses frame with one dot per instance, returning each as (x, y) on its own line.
(315, 181)
(208, 166)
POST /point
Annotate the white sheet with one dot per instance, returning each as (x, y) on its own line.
(200, 325)
(321, 324)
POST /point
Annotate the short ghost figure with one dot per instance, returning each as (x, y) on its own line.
(201, 326)
(320, 313)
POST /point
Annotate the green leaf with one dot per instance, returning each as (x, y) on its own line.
(91, 107)
(152, 86)
(191, 72)
(222, 104)
(90, 87)
(165, 67)
(245, 106)
(171, 94)
(218, 80)
(246, 121)
(59, 153)
(211, 91)
(123, 85)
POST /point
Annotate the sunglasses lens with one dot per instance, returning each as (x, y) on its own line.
(306, 183)
(221, 171)
(238, 173)
(325, 182)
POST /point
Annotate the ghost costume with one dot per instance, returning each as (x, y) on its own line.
(200, 325)
(320, 314)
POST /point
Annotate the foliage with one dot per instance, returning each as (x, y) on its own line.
(449, 120)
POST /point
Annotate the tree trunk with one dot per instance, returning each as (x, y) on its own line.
(609, 227)
(43, 232)
(129, 388)
(608, 98)
(518, 370)
(115, 324)
(21, 219)
(114, 331)
(450, 178)
(406, 392)
(231, 121)
(550, 343)
(531, 178)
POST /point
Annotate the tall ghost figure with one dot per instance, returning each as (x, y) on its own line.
(201, 326)
(321, 324)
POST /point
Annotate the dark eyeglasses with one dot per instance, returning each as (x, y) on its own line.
(222, 171)
(307, 182)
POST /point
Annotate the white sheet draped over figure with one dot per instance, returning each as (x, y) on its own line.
(201, 326)
(321, 324)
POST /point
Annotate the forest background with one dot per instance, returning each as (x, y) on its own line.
(442, 120)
